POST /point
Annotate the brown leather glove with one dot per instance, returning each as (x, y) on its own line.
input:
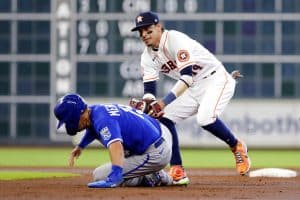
(155, 110)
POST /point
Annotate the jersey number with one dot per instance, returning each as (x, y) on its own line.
(196, 69)
(137, 113)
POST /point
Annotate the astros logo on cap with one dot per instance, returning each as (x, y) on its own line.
(139, 19)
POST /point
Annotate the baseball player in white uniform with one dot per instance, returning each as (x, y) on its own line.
(203, 86)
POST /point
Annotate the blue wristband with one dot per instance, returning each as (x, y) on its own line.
(114, 179)
(116, 169)
(169, 98)
(116, 175)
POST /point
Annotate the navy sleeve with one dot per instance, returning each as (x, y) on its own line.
(86, 139)
(187, 71)
(150, 87)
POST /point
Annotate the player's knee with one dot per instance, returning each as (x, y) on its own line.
(101, 173)
(97, 175)
(203, 120)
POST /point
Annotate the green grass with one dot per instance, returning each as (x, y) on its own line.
(202, 158)
(50, 157)
(224, 158)
(17, 175)
(192, 158)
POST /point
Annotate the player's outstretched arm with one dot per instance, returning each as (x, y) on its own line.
(74, 154)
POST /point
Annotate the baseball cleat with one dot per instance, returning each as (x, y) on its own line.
(179, 176)
(151, 180)
(101, 184)
(184, 181)
(242, 159)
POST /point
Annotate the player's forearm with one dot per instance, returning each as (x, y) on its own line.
(185, 81)
(179, 88)
(116, 153)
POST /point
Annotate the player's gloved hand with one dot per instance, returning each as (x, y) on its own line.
(114, 179)
(148, 98)
(156, 109)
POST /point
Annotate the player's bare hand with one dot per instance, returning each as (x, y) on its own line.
(74, 154)
(236, 74)
(138, 104)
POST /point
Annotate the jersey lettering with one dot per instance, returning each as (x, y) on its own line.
(171, 65)
(138, 113)
(167, 67)
(112, 110)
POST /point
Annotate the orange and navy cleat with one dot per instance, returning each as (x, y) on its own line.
(179, 176)
(242, 159)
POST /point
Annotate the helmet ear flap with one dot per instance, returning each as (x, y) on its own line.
(72, 128)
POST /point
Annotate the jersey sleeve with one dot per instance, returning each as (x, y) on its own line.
(149, 71)
(108, 131)
(180, 45)
(86, 139)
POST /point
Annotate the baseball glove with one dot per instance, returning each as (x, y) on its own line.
(155, 110)
(148, 105)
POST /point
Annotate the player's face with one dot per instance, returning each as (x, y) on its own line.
(81, 125)
(151, 35)
(84, 121)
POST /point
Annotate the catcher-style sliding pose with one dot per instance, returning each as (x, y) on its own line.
(203, 87)
(139, 147)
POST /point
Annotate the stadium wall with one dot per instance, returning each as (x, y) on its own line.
(260, 123)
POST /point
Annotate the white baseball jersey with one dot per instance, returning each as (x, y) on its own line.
(212, 86)
(176, 51)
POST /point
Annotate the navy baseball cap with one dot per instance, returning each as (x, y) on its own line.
(145, 19)
(68, 111)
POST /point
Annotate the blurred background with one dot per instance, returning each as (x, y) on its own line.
(51, 47)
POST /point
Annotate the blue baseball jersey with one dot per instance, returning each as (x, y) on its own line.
(114, 122)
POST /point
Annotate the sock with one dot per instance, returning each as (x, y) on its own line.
(176, 157)
(219, 129)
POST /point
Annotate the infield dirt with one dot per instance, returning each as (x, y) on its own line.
(205, 184)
